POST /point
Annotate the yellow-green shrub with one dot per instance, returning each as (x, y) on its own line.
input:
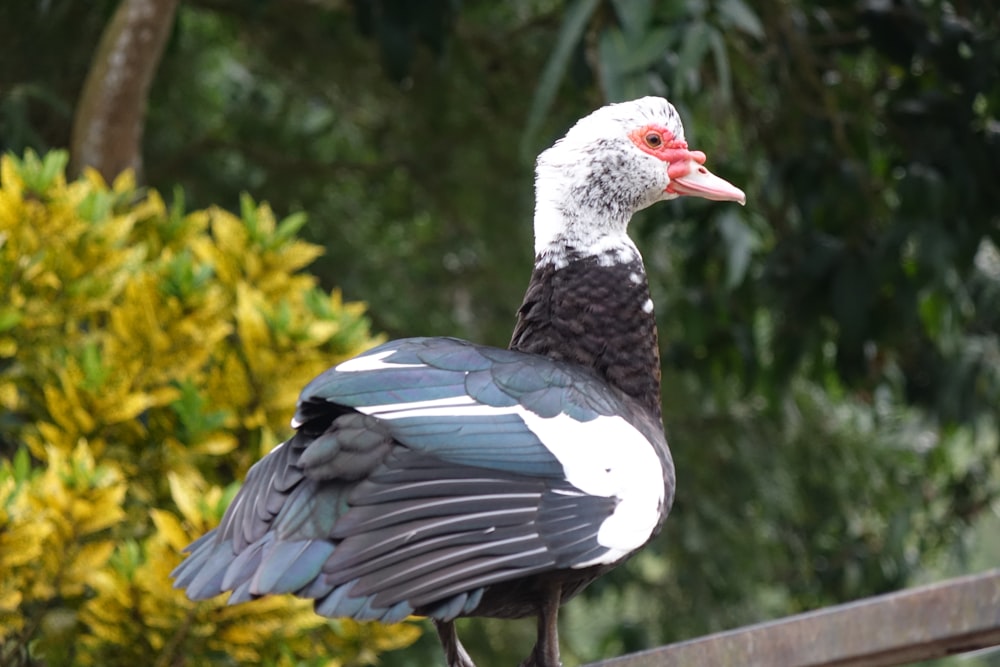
(147, 357)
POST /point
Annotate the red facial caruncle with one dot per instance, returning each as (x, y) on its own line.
(685, 167)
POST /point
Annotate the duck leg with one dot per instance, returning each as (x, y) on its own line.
(546, 651)
(454, 653)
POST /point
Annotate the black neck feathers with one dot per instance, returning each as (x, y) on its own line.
(596, 313)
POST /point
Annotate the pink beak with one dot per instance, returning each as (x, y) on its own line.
(700, 182)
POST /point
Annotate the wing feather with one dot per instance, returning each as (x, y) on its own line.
(412, 484)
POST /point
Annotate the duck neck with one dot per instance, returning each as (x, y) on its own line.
(592, 307)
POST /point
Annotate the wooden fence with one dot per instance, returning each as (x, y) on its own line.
(952, 616)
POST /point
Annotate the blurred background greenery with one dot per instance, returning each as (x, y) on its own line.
(831, 353)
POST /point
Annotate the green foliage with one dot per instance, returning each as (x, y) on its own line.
(147, 357)
(830, 351)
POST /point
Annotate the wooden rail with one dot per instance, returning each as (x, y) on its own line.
(952, 616)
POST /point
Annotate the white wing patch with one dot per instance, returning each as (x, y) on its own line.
(460, 406)
(417, 408)
(371, 362)
(608, 457)
(605, 457)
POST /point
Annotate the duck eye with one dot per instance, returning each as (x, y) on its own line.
(654, 140)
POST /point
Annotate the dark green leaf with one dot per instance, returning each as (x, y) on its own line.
(570, 34)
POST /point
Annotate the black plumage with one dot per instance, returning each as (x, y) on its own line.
(436, 477)
(592, 315)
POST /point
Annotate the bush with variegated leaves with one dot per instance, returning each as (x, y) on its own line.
(148, 356)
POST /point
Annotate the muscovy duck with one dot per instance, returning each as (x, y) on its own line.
(440, 478)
